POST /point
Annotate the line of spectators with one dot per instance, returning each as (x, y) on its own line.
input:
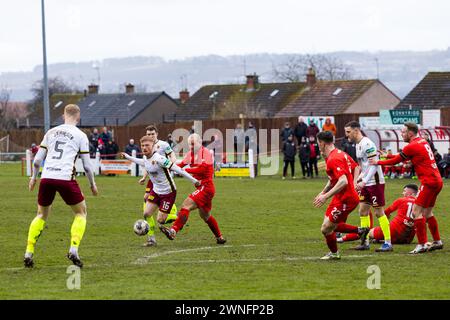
(307, 147)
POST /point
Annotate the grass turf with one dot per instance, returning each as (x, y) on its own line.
(273, 249)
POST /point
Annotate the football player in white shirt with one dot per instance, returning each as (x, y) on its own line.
(370, 185)
(60, 148)
(164, 149)
(163, 193)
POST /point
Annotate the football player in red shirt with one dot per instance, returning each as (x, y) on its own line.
(201, 167)
(419, 152)
(340, 188)
(402, 226)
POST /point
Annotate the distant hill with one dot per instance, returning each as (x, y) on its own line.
(399, 70)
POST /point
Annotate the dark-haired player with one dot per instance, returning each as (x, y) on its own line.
(421, 155)
(370, 185)
(402, 225)
(340, 188)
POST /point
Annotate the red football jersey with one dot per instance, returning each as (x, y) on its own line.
(340, 163)
(419, 152)
(201, 166)
(403, 206)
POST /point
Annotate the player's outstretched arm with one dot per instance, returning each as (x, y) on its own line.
(133, 159)
(88, 169)
(396, 159)
(182, 172)
(40, 156)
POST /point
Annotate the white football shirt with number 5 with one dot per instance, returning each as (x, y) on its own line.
(63, 144)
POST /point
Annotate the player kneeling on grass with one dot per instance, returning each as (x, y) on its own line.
(341, 189)
(402, 226)
(201, 166)
(60, 148)
(163, 193)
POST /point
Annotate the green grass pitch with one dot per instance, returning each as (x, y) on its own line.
(273, 249)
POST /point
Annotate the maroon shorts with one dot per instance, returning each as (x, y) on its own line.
(339, 210)
(164, 201)
(68, 190)
(203, 198)
(399, 234)
(373, 195)
(427, 195)
(149, 186)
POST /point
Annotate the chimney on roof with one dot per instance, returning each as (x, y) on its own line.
(129, 88)
(311, 77)
(252, 82)
(184, 96)
(93, 88)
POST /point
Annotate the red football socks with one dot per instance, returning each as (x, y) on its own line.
(183, 216)
(421, 230)
(212, 224)
(331, 242)
(433, 227)
(351, 237)
(346, 228)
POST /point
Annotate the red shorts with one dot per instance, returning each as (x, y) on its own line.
(338, 211)
(67, 189)
(203, 198)
(164, 201)
(399, 234)
(373, 195)
(427, 195)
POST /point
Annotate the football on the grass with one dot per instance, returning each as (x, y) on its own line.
(141, 227)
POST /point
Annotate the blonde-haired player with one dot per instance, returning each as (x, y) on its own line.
(164, 149)
(60, 148)
(164, 191)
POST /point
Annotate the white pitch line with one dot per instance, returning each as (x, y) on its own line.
(210, 261)
(244, 260)
(145, 259)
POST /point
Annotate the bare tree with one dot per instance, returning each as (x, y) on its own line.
(239, 104)
(327, 67)
(55, 85)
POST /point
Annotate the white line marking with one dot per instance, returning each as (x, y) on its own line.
(148, 259)
(145, 259)
(255, 259)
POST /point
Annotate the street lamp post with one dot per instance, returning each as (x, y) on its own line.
(44, 49)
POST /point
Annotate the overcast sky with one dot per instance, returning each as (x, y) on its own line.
(84, 30)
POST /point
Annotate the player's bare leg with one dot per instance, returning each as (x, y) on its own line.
(183, 216)
(383, 221)
(77, 232)
(421, 230)
(327, 230)
(150, 209)
(213, 225)
(34, 232)
(434, 229)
